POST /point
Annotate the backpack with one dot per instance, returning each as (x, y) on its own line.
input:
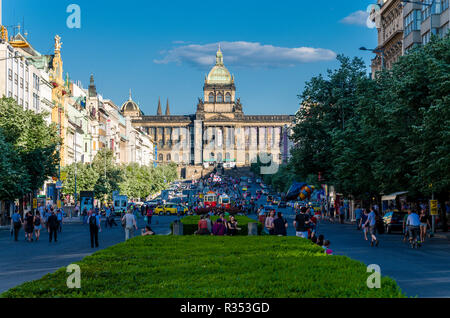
(93, 220)
(37, 221)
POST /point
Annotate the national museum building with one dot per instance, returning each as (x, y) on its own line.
(219, 131)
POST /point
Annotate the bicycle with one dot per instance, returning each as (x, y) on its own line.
(413, 233)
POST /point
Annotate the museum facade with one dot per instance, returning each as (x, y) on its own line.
(219, 131)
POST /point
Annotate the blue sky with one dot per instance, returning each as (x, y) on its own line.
(165, 48)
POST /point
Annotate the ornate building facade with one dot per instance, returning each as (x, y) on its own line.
(218, 132)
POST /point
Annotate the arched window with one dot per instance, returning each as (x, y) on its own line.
(228, 98)
(227, 156)
(177, 158)
(220, 98)
(211, 98)
(161, 157)
(168, 157)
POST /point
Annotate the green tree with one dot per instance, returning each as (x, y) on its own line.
(110, 175)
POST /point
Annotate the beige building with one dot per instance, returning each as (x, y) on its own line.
(389, 23)
(219, 132)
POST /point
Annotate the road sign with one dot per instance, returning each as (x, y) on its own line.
(34, 203)
(63, 175)
(59, 204)
(58, 185)
(434, 207)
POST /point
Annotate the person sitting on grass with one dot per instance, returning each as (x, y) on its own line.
(202, 226)
(326, 246)
(320, 240)
(148, 231)
(218, 228)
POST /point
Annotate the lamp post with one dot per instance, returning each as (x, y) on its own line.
(381, 51)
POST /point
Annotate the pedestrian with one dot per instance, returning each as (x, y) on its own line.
(218, 228)
(29, 226)
(269, 222)
(358, 215)
(202, 227)
(326, 245)
(280, 225)
(108, 217)
(362, 223)
(342, 214)
(129, 221)
(320, 240)
(301, 223)
(52, 226)
(148, 231)
(85, 215)
(60, 217)
(413, 223)
(37, 225)
(94, 228)
(371, 222)
(232, 226)
(332, 213)
(424, 224)
(16, 224)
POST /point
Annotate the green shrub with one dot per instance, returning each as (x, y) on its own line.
(211, 266)
(190, 224)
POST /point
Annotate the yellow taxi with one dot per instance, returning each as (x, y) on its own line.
(170, 209)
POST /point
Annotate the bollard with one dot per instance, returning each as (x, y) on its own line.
(253, 229)
(177, 228)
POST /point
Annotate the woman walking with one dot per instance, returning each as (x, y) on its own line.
(269, 222)
(424, 223)
(37, 225)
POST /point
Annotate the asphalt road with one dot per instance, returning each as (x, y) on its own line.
(24, 261)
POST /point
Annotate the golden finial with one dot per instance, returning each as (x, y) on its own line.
(58, 43)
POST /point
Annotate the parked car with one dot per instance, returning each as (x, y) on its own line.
(393, 221)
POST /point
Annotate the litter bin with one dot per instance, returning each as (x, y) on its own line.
(177, 228)
(253, 229)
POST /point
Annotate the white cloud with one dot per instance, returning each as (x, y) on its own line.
(356, 18)
(247, 54)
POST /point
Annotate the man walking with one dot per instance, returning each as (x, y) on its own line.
(94, 228)
(52, 227)
(301, 223)
(16, 224)
(130, 223)
(59, 216)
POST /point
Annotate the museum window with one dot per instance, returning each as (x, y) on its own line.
(168, 157)
(161, 157)
(211, 98)
(228, 98)
(220, 98)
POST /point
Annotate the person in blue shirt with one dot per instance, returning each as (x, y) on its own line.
(371, 222)
(108, 216)
(16, 224)
(60, 217)
(413, 224)
(94, 228)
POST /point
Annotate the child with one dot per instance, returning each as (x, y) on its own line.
(326, 246)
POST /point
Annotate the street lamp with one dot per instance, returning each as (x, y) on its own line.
(381, 51)
(430, 5)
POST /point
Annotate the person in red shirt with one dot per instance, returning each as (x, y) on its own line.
(202, 227)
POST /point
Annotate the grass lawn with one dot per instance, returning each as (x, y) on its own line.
(205, 266)
(190, 224)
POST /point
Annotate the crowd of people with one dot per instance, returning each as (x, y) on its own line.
(34, 221)
(220, 227)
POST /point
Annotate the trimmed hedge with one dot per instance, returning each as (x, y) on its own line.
(211, 266)
(190, 224)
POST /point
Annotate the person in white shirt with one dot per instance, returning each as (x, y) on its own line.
(413, 224)
(130, 223)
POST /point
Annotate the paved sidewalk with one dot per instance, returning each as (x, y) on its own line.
(24, 261)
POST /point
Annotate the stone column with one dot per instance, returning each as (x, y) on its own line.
(198, 140)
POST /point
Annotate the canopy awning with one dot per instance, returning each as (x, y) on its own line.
(392, 196)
